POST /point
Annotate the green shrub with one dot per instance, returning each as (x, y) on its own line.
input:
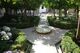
(68, 45)
(21, 38)
(21, 43)
(4, 46)
(77, 50)
(14, 32)
(63, 22)
(71, 33)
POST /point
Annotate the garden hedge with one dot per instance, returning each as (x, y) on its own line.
(63, 22)
(19, 21)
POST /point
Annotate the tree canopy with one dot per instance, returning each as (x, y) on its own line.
(61, 3)
(28, 4)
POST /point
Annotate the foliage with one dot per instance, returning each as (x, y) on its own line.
(63, 22)
(61, 4)
(23, 22)
(4, 46)
(71, 33)
(32, 4)
(20, 4)
(5, 28)
(17, 41)
(36, 21)
(21, 42)
(21, 38)
(77, 50)
(14, 32)
(5, 43)
(68, 45)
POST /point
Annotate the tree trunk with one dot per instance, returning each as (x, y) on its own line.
(6, 11)
(60, 13)
(10, 11)
(15, 12)
(78, 27)
(24, 12)
(29, 13)
(75, 11)
(21, 12)
(54, 12)
(33, 12)
(65, 12)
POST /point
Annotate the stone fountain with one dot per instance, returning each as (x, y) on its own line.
(43, 26)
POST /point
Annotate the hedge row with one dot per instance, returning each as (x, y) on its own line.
(63, 22)
(19, 21)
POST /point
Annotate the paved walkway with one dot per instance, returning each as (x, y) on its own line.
(44, 43)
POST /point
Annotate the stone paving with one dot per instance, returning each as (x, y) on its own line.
(44, 43)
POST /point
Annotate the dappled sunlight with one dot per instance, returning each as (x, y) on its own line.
(52, 28)
(44, 43)
(41, 48)
(46, 37)
(38, 41)
(50, 38)
(41, 40)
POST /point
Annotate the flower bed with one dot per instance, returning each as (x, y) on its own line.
(10, 38)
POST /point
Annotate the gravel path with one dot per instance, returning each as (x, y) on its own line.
(44, 43)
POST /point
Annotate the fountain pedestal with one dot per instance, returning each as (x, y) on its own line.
(43, 29)
(43, 26)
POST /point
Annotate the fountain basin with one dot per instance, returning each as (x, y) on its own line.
(43, 29)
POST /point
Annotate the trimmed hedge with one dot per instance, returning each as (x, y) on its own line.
(19, 21)
(63, 22)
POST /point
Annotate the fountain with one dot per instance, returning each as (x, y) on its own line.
(43, 26)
